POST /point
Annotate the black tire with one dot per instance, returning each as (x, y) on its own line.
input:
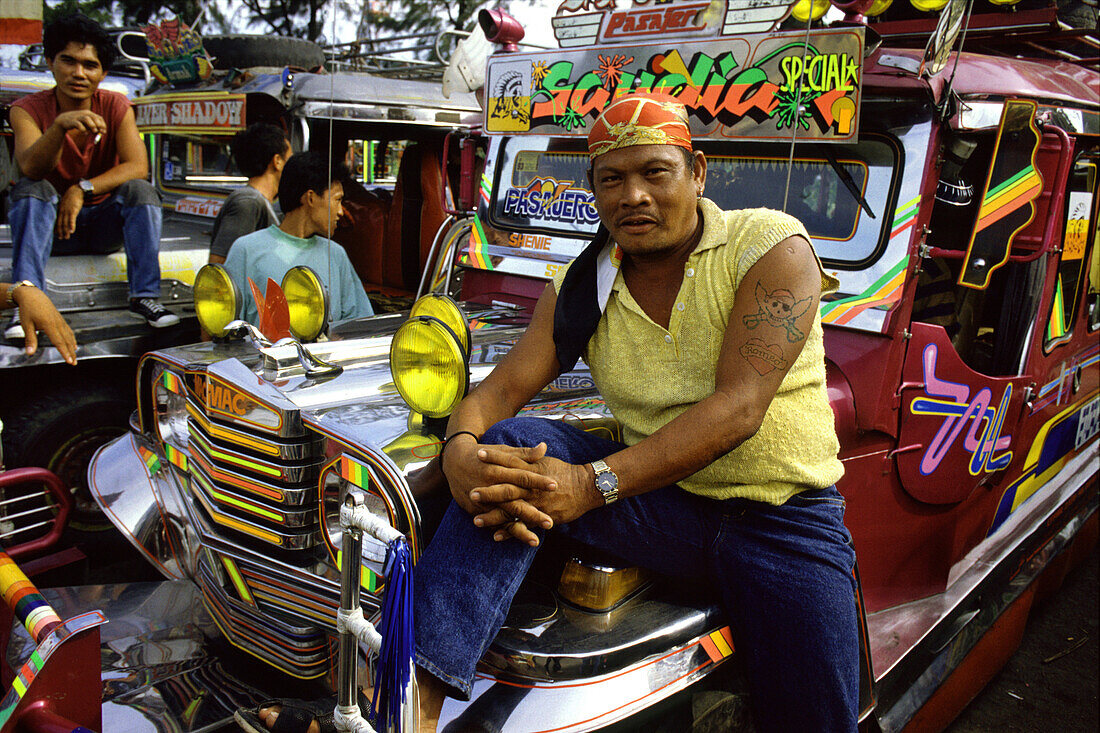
(243, 52)
(61, 430)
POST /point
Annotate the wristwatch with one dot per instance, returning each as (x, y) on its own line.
(607, 483)
(13, 286)
(86, 186)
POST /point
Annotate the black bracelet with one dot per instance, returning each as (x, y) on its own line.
(452, 436)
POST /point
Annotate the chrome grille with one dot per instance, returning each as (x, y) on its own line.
(255, 485)
(300, 651)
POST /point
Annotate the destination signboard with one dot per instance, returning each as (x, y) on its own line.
(217, 112)
(751, 86)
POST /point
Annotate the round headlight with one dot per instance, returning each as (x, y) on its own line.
(217, 299)
(307, 301)
(928, 6)
(429, 366)
(804, 10)
(170, 403)
(445, 309)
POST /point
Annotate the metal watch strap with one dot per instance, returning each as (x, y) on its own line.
(12, 288)
(607, 483)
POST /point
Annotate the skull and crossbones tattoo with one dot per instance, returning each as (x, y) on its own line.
(779, 309)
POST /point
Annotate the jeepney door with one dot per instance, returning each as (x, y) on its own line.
(966, 375)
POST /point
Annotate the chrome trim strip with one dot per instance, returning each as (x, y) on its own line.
(930, 638)
(241, 506)
(305, 473)
(293, 451)
(286, 540)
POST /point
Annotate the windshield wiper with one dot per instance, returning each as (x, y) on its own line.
(846, 178)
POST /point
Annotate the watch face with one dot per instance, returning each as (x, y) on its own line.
(605, 482)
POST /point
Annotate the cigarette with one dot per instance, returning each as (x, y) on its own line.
(96, 139)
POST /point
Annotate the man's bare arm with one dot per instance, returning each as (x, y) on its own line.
(751, 366)
(525, 370)
(133, 161)
(36, 152)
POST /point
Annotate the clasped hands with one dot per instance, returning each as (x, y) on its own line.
(513, 490)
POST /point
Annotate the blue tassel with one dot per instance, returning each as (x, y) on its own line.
(396, 627)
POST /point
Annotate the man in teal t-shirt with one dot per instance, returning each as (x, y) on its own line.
(310, 193)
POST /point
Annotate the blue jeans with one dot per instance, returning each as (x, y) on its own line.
(130, 216)
(784, 576)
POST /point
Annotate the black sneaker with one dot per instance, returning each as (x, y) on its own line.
(155, 314)
(14, 329)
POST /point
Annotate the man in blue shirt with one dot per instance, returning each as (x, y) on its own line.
(310, 195)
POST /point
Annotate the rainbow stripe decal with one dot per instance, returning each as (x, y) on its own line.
(173, 383)
(1003, 199)
(26, 603)
(1056, 327)
(354, 472)
(885, 290)
(486, 188)
(477, 253)
(718, 644)
(176, 457)
(29, 671)
(370, 580)
(150, 459)
(905, 216)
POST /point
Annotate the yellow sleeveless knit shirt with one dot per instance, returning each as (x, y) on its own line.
(649, 375)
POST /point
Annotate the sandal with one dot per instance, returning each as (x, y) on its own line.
(295, 716)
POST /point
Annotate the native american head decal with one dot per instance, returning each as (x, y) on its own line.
(779, 309)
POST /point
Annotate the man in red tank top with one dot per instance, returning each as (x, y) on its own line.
(84, 169)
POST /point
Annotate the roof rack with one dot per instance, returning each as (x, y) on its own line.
(410, 56)
(1034, 32)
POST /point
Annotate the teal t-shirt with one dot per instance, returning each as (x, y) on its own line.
(270, 252)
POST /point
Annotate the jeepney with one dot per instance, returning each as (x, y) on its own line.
(389, 117)
(952, 193)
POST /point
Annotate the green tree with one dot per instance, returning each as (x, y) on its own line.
(379, 19)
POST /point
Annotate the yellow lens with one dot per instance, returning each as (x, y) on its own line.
(307, 302)
(428, 366)
(445, 309)
(217, 300)
(809, 9)
(878, 7)
(929, 6)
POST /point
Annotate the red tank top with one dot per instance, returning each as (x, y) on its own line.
(91, 158)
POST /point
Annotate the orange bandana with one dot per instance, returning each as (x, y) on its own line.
(639, 119)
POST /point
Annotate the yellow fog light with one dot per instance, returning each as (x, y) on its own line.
(804, 10)
(878, 7)
(928, 6)
(429, 366)
(217, 299)
(307, 302)
(445, 309)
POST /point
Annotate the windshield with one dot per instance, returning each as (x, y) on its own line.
(200, 162)
(839, 192)
(206, 162)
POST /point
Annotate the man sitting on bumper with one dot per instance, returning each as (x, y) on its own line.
(702, 332)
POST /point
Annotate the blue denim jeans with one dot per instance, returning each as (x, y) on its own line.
(783, 574)
(131, 216)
